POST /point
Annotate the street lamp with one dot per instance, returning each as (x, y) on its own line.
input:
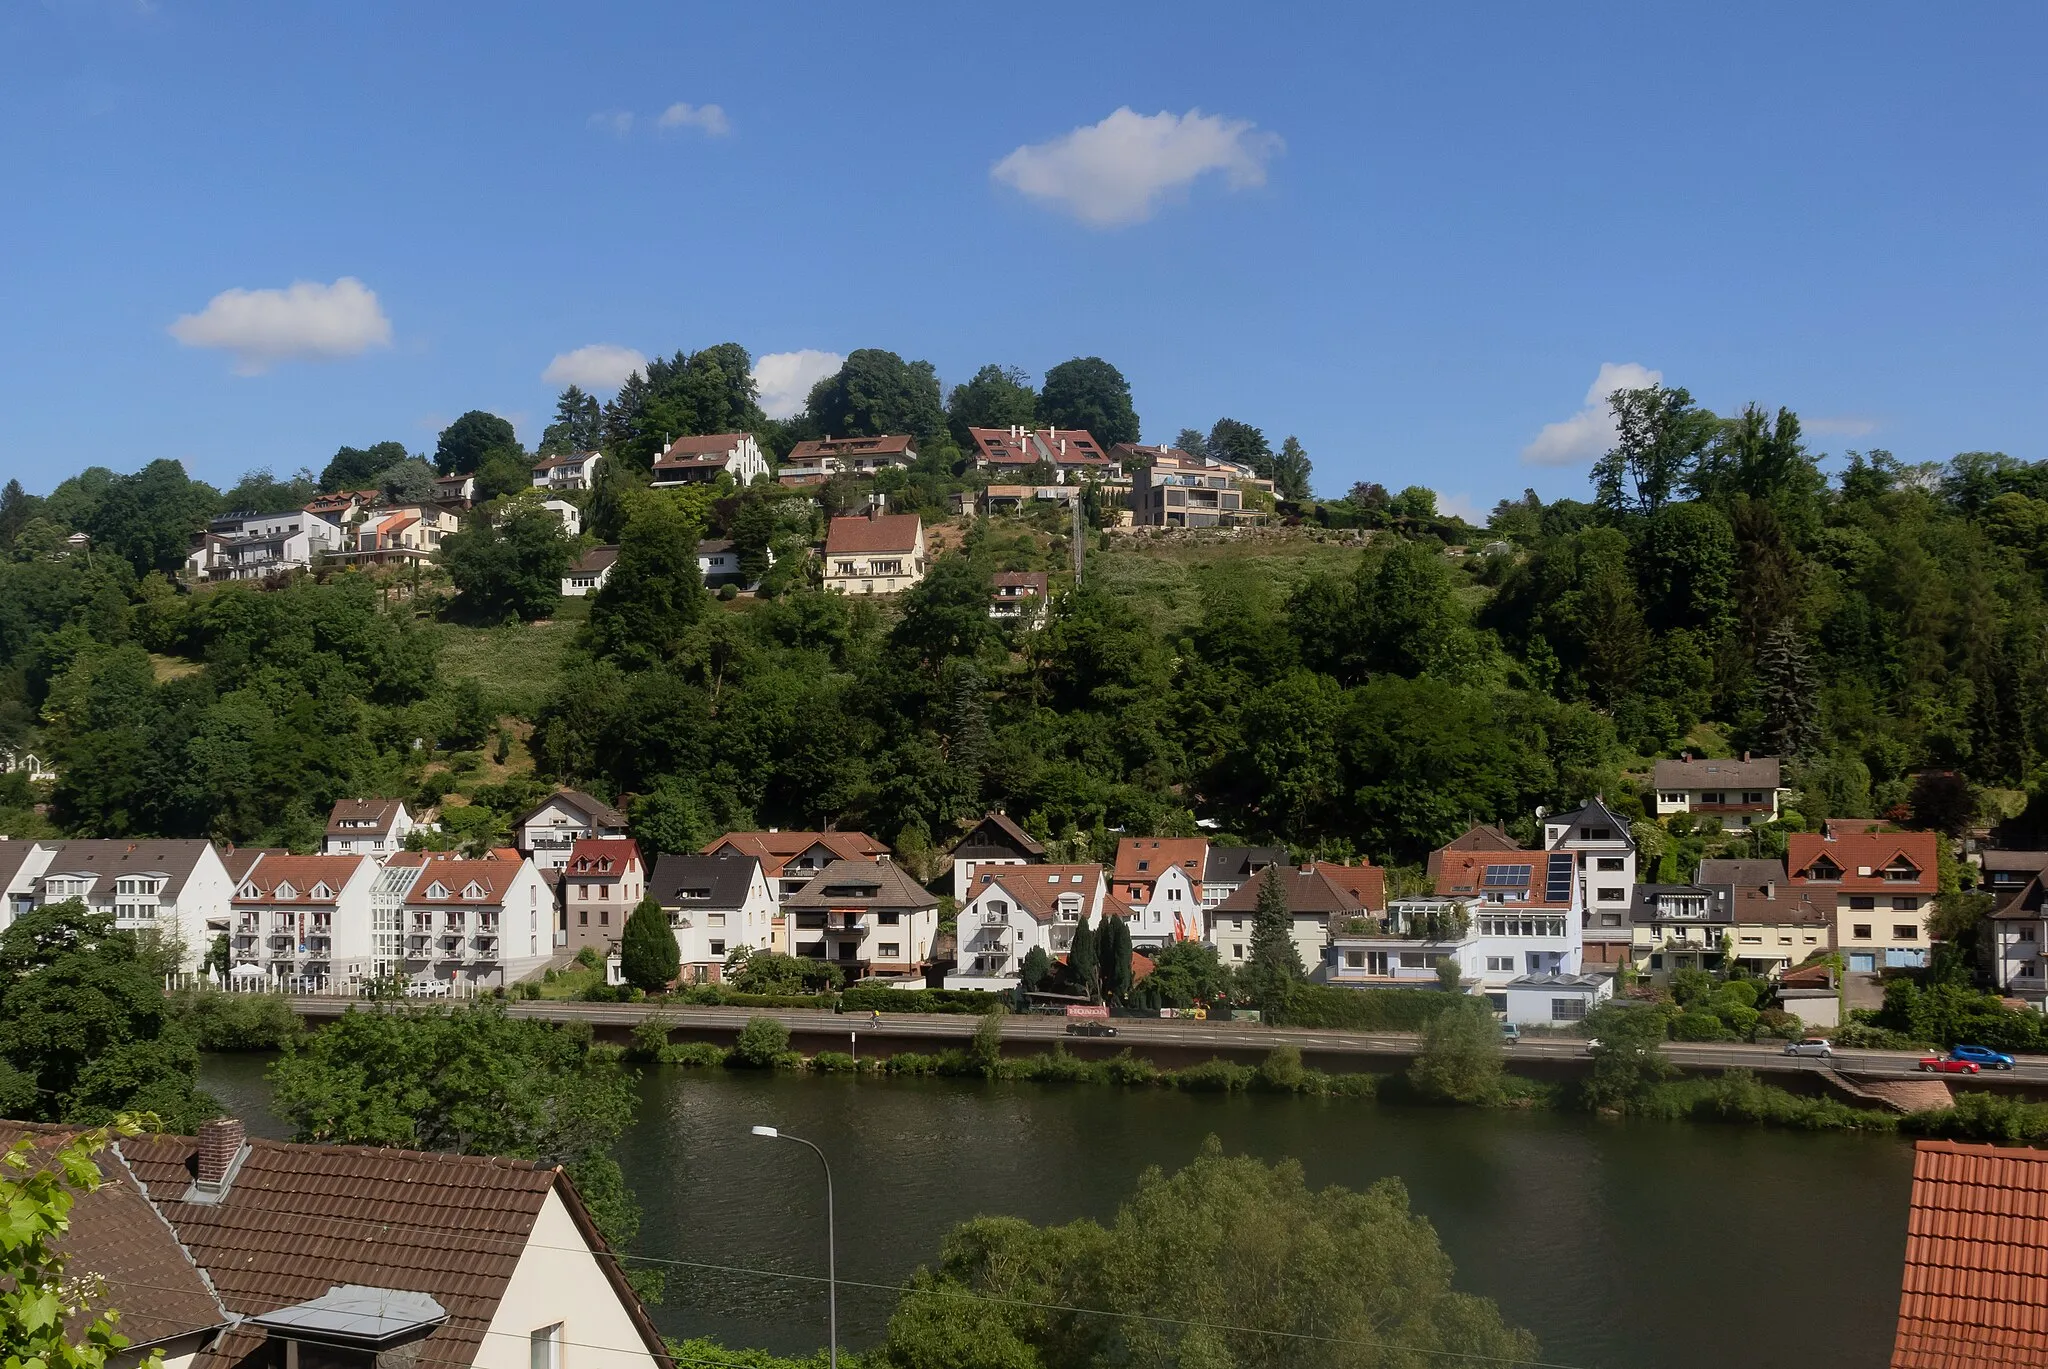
(831, 1241)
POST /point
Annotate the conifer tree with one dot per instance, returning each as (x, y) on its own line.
(1788, 691)
(648, 955)
(1084, 968)
(1275, 963)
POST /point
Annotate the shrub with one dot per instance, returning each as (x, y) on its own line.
(1281, 1071)
(987, 1048)
(912, 1063)
(237, 1021)
(1460, 1060)
(650, 1039)
(1863, 1036)
(1982, 1116)
(879, 998)
(1058, 1067)
(1214, 1076)
(1319, 1005)
(649, 957)
(1696, 1024)
(589, 959)
(761, 1045)
(834, 1062)
(1125, 1068)
(695, 1055)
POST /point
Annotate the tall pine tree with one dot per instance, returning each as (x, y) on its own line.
(1084, 969)
(1788, 691)
(1274, 966)
(648, 955)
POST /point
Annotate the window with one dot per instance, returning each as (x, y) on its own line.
(891, 919)
(1596, 834)
(890, 950)
(583, 917)
(1499, 963)
(1237, 924)
(1354, 960)
(1905, 931)
(1713, 796)
(545, 1348)
(1906, 904)
(718, 948)
(1237, 952)
(1567, 1009)
(1861, 931)
(583, 891)
(1610, 863)
(1753, 796)
(1824, 871)
(1860, 902)
(604, 917)
(1144, 865)
(1656, 962)
(715, 920)
(1752, 940)
(1610, 919)
(604, 891)
(1610, 895)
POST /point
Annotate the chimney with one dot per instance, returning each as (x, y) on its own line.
(222, 1145)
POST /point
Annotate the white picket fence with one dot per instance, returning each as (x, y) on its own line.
(322, 986)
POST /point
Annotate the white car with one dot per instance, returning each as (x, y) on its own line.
(1813, 1045)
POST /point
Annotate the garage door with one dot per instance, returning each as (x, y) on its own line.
(1863, 962)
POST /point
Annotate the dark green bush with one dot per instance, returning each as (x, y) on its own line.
(1319, 1005)
(876, 998)
(1983, 1116)
(1215, 1076)
(761, 1045)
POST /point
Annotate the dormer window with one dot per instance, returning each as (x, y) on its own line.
(472, 890)
(1824, 871)
(1144, 865)
(285, 889)
(1902, 871)
(437, 890)
(250, 891)
(322, 891)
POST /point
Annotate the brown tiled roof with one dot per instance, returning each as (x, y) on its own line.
(880, 885)
(382, 812)
(116, 1235)
(1310, 889)
(999, 447)
(597, 810)
(493, 877)
(1156, 854)
(302, 873)
(776, 849)
(299, 1219)
(602, 855)
(1975, 1290)
(891, 444)
(1761, 773)
(707, 445)
(1366, 883)
(1036, 581)
(1764, 896)
(1854, 852)
(595, 560)
(1479, 837)
(1819, 975)
(1007, 825)
(548, 463)
(884, 532)
(1037, 888)
(109, 859)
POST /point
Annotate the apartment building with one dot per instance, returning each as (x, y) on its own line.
(247, 546)
(1073, 453)
(1160, 880)
(567, 471)
(716, 905)
(482, 922)
(1175, 490)
(866, 917)
(701, 460)
(375, 826)
(1314, 903)
(304, 921)
(601, 882)
(1606, 852)
(1883, 883)
(550, 831)
(791, 860)
(993, 842)
(1012, 910)
(179, 888)
(1775, 925)
(818, 460)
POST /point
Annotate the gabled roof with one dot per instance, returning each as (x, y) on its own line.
(1975, 1288)
(116, 1235)
(1592, 813)
(1062, 446)
(890, 444)
(596, 811)
(2030, 861)
(302, 875)
(380, 813)
(108, 860)
(862, 884)
(1309, 891)
(548, 463)
(1037, 888)
(592, 561)
(299, 1219)
(492, 879)
(1763, 895)
(602, 857)
(1854, 852)
(883, 532)
(1463, 874)
(1036, 581)
(701, 448)
(718, 881)
(1478, 837)
(1366, 883)
(776, 849)
(1761, 773)
(1009, 832)
(1144, 859)
(1236, 864)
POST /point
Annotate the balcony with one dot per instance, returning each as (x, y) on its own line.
(487, 948)
(845, 924)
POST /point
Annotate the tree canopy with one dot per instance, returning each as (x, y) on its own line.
(472, 439)
(1089, 393)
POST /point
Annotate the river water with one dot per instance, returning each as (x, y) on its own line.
(1663, 1245)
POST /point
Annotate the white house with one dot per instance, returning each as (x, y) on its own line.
(251, 546)
(994, 841)
(375, 826)
(567, 471)
(549, 832)
(305, 919)
(571, 516)
(179, 888)
(867, 917)
(701, 460)
(483, 922)
(1314, 901)
(1555, 999)
(821, 458)
(718, 561)
(1013, 909)
(878, 553)
(1160, 880)
(715, 904)
(1741, 793)
(590, 572)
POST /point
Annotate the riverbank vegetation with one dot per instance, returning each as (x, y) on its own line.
(1228, 1261)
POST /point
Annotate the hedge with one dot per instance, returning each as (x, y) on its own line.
(1319, 1005)
(876, 998)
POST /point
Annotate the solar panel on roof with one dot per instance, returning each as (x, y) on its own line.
(1508, 874)
(1557, 887)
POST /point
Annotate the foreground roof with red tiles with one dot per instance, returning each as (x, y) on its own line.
(1975, 1291)
(1858, 862)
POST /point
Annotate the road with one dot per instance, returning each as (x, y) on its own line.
(1188, 1034)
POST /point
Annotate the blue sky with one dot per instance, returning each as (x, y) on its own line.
(1414, 236)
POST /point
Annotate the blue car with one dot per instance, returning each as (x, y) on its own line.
(1982, 1056)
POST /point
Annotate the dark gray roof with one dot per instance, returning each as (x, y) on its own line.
(1010, 833)
(12, 854)
(175, 860)
(597, 810)
(1748, 871)
(1593, 813)
(1236, 864)
(861, 884)
(1760, 773)
(1642, 905)
(354, 1316)
(722, 879)
(2029, 861)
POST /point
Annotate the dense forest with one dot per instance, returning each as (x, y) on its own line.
(1883, 627)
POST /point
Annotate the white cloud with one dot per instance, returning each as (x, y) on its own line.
(1846, 426)
(600, 366)
(307, 321)
(709, 119)
(1117, 172)
(617, 122)
(1461, 505)
(1588, 434)
(785, 378)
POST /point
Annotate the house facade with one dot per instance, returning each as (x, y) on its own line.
(718, 561)
(367, 826)
(1741, 793)
(791, 860)
(304, 921)
(867, 917)
(482, 922)
(1019, 596)
(567, 471)
(590, 572)
(601, 882)
(1681, 927)
(405, 535)
(1314, 903)
(878, 553)
(716, 905)
(1883, 883)
(1776, 926)
(1012, 910)
(1606, 852)
(701, 460)
(1176, 490)
(994, 841)
(179, 888)
(1073, 453)
(820, 459)
(255, 546)
(549, 832)
(1160, 880)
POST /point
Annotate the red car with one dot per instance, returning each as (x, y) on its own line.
(1935, 1064)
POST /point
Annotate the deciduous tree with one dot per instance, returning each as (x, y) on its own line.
(465, 443)
(1091, 394)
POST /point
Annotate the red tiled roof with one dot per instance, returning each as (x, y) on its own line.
(1036, 581)
(602, 856)
(776, 849)
(1463, 874)
(379, 812)
(1479, 837)
(1975, 1290)
(1157, 854)
(1037, 888)
(700, 450)
(299, 1219)
(302, 873)
(1854, 852)
(890, 444)
(884, 532)
(493, 877)
(1000, 447)
(1366, 883)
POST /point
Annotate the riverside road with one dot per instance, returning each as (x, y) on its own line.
(819, 1028)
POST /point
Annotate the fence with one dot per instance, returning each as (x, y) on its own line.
(327, 986)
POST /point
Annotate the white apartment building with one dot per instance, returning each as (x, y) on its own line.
(1014, 909)
(867, 917)
(716, 904)
(252, 546)
(178, 888)
(482, 922)
(305, 920)
(549, 832)
(567, 471)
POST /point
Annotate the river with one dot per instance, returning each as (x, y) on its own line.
(1662, 1245)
